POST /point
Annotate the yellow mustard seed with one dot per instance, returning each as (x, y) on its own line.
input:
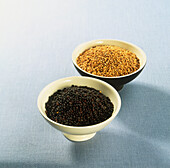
(108, 61)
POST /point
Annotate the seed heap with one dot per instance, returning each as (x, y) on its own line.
(108, 61)
(78, 106)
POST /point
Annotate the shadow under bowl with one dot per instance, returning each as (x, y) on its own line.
(116, 82)
(79, 133)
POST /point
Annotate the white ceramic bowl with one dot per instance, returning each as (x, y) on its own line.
(119, 81)
(77, 133)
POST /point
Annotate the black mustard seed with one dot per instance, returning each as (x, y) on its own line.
(79, 106)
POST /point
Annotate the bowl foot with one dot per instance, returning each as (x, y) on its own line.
(118, 88)
(79, 138)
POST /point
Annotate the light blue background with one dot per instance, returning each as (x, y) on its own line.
(36, 43)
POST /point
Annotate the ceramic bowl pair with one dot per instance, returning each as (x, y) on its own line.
(83, 133)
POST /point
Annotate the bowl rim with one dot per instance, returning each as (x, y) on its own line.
(100, 42)
(114, 114)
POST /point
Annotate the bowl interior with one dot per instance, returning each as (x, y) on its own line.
(80, 81)
(133, 48)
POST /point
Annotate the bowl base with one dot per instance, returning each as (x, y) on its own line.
(118, 88)
(79, 138)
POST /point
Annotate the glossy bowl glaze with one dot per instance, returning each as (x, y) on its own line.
(77, 133)
(116, 82)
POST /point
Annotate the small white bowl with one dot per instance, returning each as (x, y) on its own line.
(77, 133)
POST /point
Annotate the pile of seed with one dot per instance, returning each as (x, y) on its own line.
(79, 106)
(108, 61)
